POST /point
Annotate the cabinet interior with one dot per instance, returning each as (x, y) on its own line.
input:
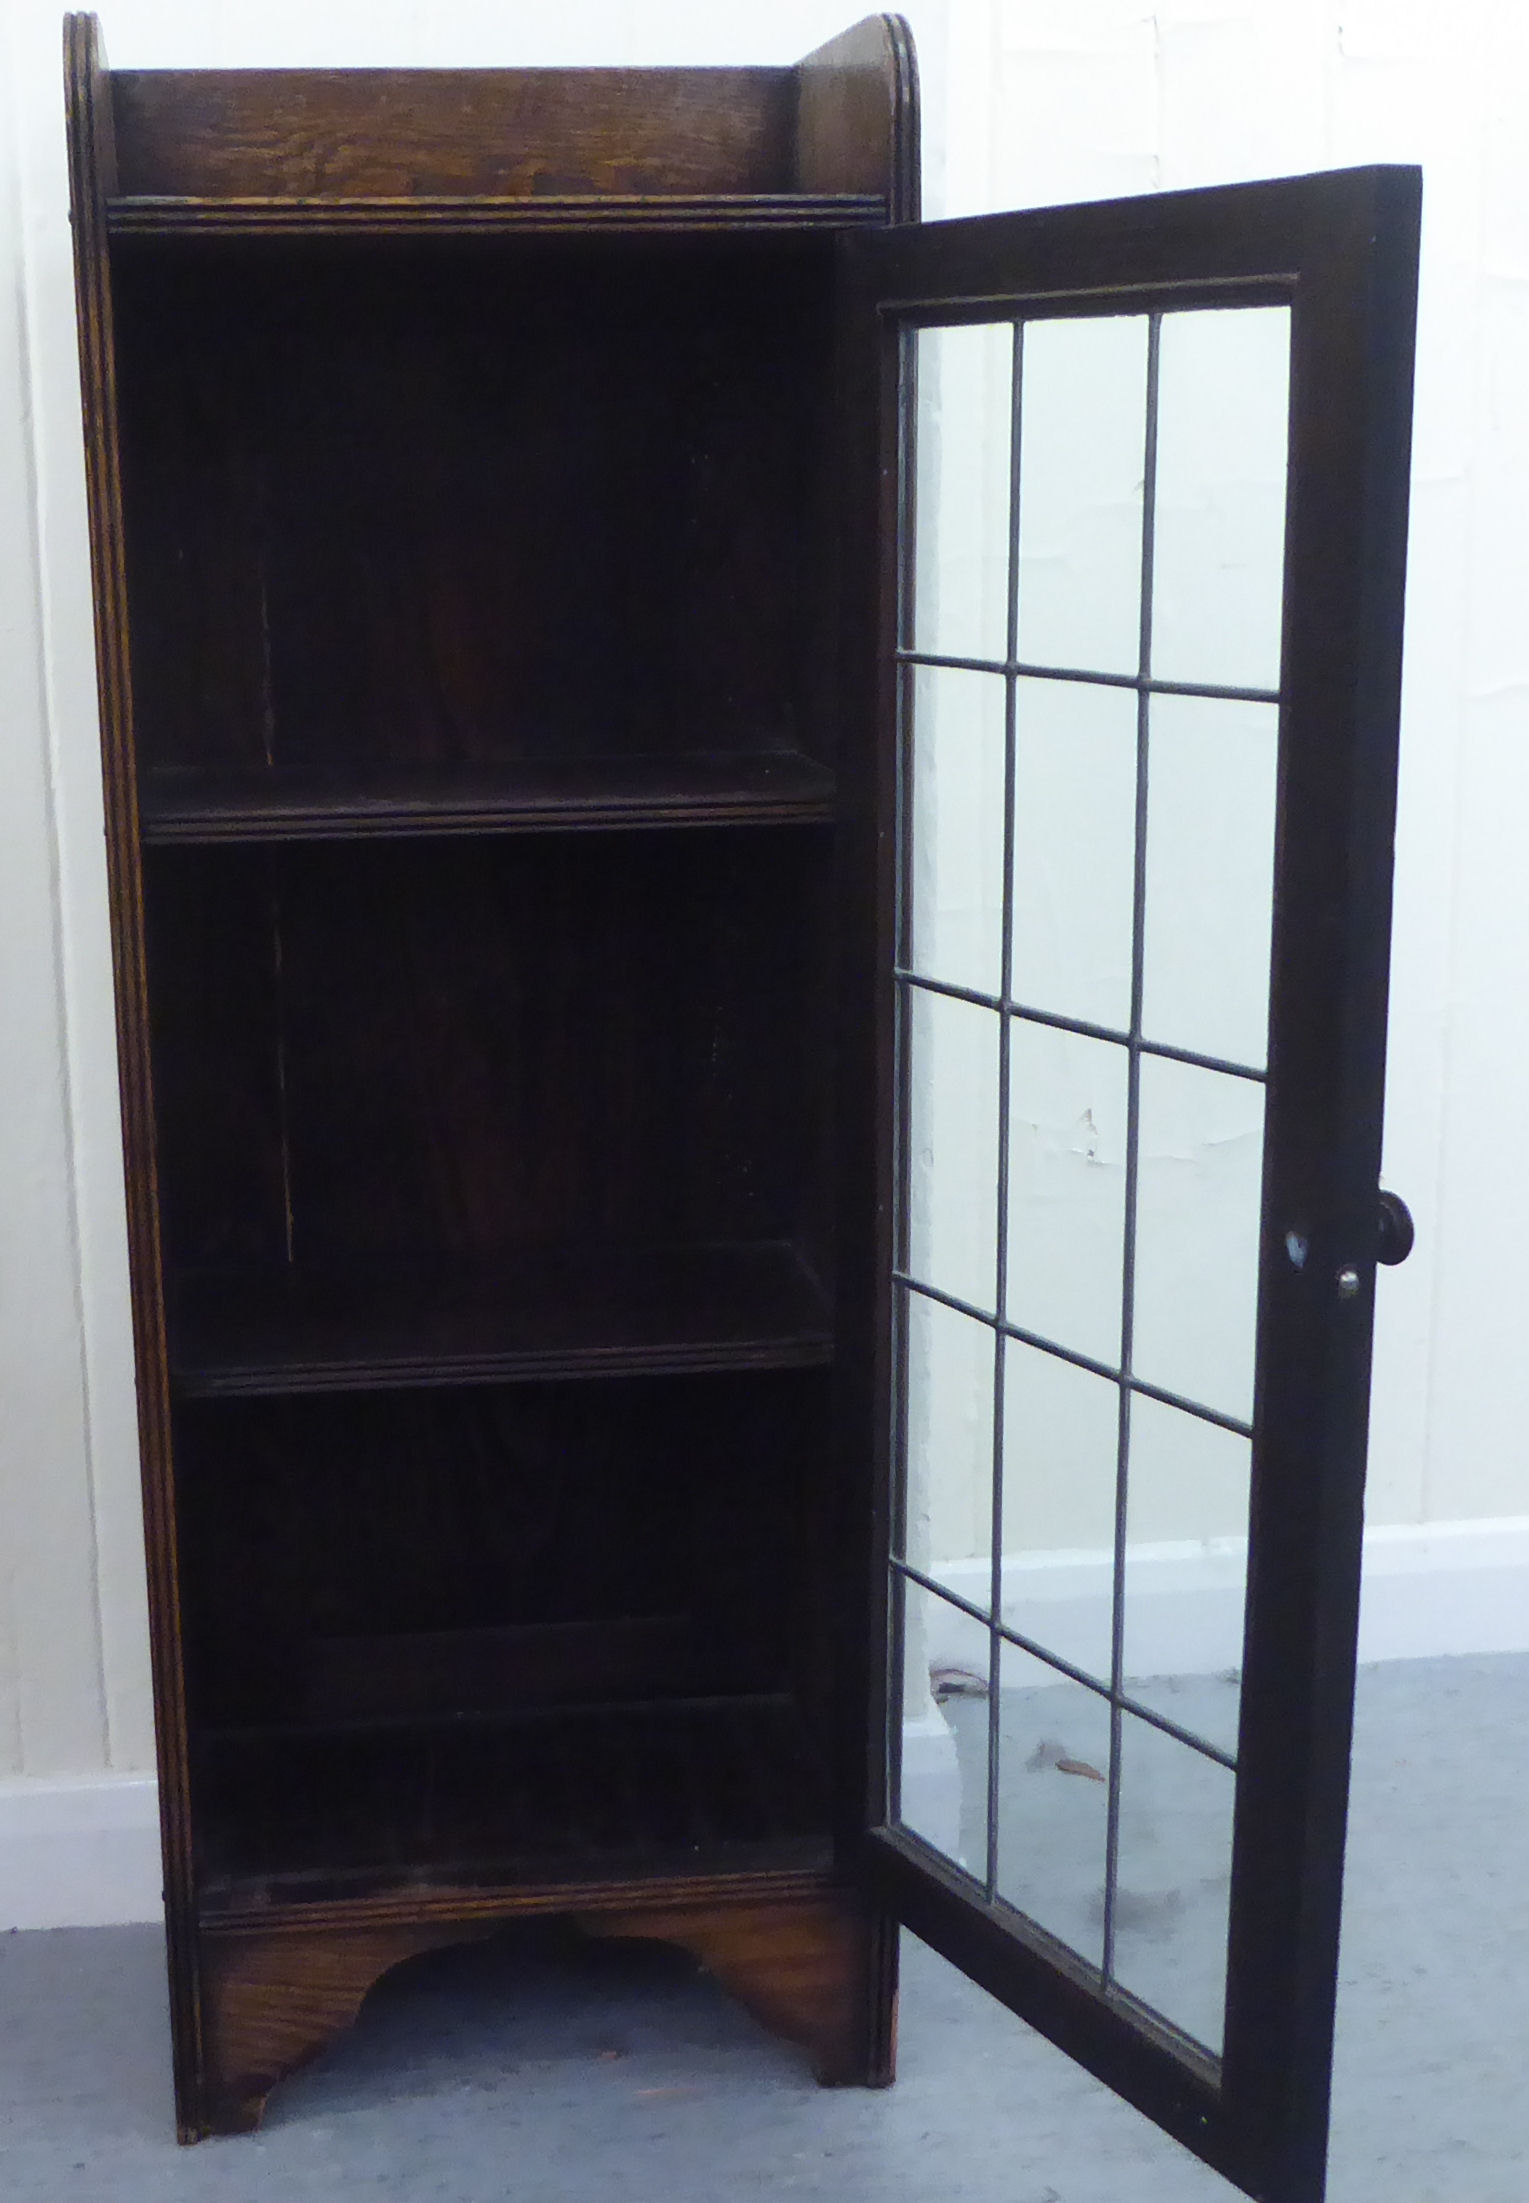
(539, 1631)
(449, 515)
(571, 1086)
(480, 606)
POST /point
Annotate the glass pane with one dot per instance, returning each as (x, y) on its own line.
(942, 1794)
(1074, 841)
(961, 595)
(1219, 524)
(948, 1507)
(1060, 1439)
(956, 918)
(1067, 1125)
(1053, 1801)
(1186, 1569)
(1210, 875)
(1173, 1879)
(1197, 1212)
(952, 1152)
(1083, 428)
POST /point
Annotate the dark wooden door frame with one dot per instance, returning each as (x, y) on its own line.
(1341, 249)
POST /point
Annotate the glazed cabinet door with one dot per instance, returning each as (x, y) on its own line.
(1121, 751)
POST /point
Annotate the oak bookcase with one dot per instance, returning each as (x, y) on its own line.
(460, 453)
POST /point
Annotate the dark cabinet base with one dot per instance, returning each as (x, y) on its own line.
(805, 1957)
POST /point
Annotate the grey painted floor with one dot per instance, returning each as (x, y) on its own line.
(471, 2079)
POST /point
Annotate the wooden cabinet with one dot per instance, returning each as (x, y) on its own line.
(501, 486)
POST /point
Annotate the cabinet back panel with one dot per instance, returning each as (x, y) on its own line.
(496, 1548)
(458, 1049)
(471, 502)
(499, 1632)
(674, 1790)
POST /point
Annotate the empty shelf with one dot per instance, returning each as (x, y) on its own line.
(557, 1312)
(569, 1795)
(557, 794)
(442, 215)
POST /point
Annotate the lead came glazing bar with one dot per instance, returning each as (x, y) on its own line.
(1006, 984)
(1149, 1391)
(1080, 1026)
(905, 1571)
(1217, 691)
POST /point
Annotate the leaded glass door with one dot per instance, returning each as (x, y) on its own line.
(1137, 661)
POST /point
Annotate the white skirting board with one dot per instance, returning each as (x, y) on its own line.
(1429, 1589)
(83, 1851)
(79, 1851)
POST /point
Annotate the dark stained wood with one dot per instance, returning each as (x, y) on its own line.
(433, 1517)
(92, 180)
(419, 1058)
(670, 1787)
(554, 1312)
(478, 133)
(573, 794)
(814, 1969)
(533, 1900)
(491, 1550)
(801, 1952)
(583, 470)
(463, 511)
(857, 115)
(445, 217)
(273, 2001)
(461, 1673)
(873, 415)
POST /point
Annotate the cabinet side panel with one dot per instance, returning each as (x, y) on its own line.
(857, 119)
(867, 469)
(92, 179)
(493, 133)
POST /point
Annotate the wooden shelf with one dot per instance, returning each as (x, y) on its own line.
(518, 216)
(677, 1787)
(535, 795)
(561, 1312)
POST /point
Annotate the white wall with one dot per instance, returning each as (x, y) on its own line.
(1024, 103)
(1090, 97)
